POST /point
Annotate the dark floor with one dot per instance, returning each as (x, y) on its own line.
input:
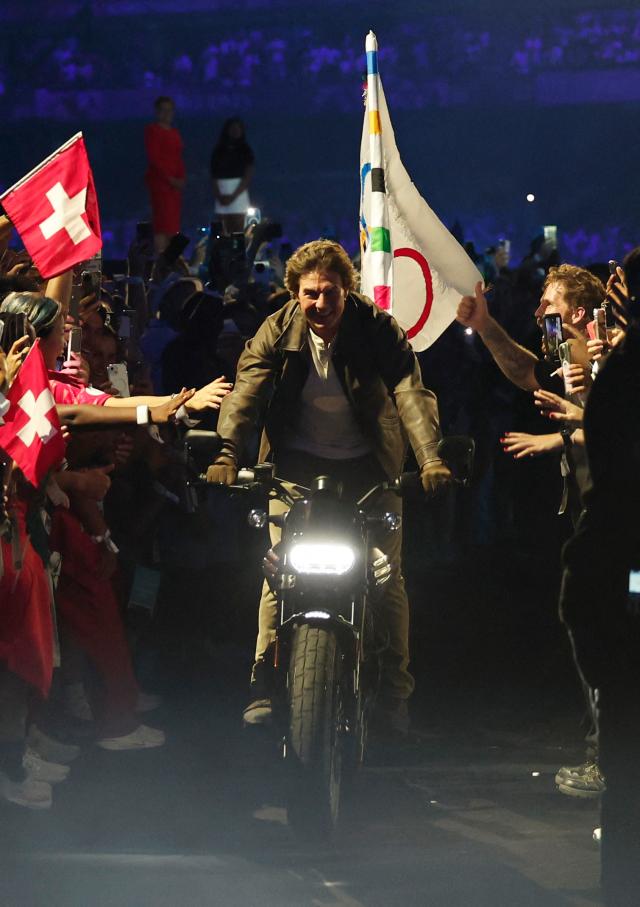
(468, 815)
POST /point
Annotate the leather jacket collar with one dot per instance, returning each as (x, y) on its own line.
(296, 330)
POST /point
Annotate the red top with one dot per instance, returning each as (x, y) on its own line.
(164, 154)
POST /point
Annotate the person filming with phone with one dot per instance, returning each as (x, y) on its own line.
(569, 295)
(560, 379)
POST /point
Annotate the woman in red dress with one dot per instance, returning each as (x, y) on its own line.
(165, 175)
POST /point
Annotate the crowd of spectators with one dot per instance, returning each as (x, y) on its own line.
(419, 58)
(123, 527)
(114, 528)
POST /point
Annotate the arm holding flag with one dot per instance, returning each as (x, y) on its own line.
(514, 361)
(417, 406)
(59, 288)
(54, 208)
(5, 233)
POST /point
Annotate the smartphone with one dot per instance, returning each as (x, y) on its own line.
(92, 274)
(124, 325)
(74, 344)
(553, 335)
(564, 351)
(252, 217)
(262, 272)
(600, 324)
(77, 292)
(633, 605)
(551, 235)
(177, 244)
(14, 326)
(119, 378)
(613, 265)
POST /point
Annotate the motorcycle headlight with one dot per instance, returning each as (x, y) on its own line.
(330, 560)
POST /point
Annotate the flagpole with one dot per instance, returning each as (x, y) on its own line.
(42, 164)
(381, 252)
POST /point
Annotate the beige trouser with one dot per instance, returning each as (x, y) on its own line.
(392, 613)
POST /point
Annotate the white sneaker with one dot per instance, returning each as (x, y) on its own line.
(142, 738)
(40, 770)
(147, 702)
(76, 703)
(51, 749)
(29, 793)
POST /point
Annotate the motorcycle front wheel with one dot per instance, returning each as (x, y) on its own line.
(314, 740)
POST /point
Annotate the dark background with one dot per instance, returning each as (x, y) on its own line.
(489, 100)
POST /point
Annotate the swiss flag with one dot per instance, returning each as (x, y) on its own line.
(29, 428)
(55, 209)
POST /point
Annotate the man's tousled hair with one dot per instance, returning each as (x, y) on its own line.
(320, 255)
(582, 289)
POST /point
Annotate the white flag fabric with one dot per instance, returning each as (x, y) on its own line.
(411, 264)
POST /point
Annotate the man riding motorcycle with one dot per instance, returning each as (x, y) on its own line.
(335, 383)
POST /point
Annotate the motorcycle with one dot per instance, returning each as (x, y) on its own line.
(324, 666)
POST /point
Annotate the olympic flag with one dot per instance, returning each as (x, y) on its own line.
(412, 266)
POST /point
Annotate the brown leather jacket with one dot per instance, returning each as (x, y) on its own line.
(375, 364)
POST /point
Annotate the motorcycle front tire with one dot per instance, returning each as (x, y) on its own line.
(314, 743)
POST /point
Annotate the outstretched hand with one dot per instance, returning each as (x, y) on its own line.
(557, 408)
(167, 411)
(520, 444)
(210, 396)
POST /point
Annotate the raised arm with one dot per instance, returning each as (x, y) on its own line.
(59, 288)
(514, 361)
(208, 397)
(87, 416)
(400, 370)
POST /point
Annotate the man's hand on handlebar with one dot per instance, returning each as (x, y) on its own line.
(435, 477)
(224, 471)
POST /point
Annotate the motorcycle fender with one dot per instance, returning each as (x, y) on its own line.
(318, 617)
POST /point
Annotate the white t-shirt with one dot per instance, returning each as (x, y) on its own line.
(325, 425)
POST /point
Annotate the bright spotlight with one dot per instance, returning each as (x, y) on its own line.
(531, 197)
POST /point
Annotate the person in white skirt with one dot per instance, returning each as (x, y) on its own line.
(232, 169)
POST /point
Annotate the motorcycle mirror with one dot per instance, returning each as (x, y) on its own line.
(202, 447)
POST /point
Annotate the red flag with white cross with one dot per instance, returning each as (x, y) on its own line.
(29, 427)
(54, 208)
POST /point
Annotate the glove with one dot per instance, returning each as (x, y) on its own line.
(435, 477)
(223, 472)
